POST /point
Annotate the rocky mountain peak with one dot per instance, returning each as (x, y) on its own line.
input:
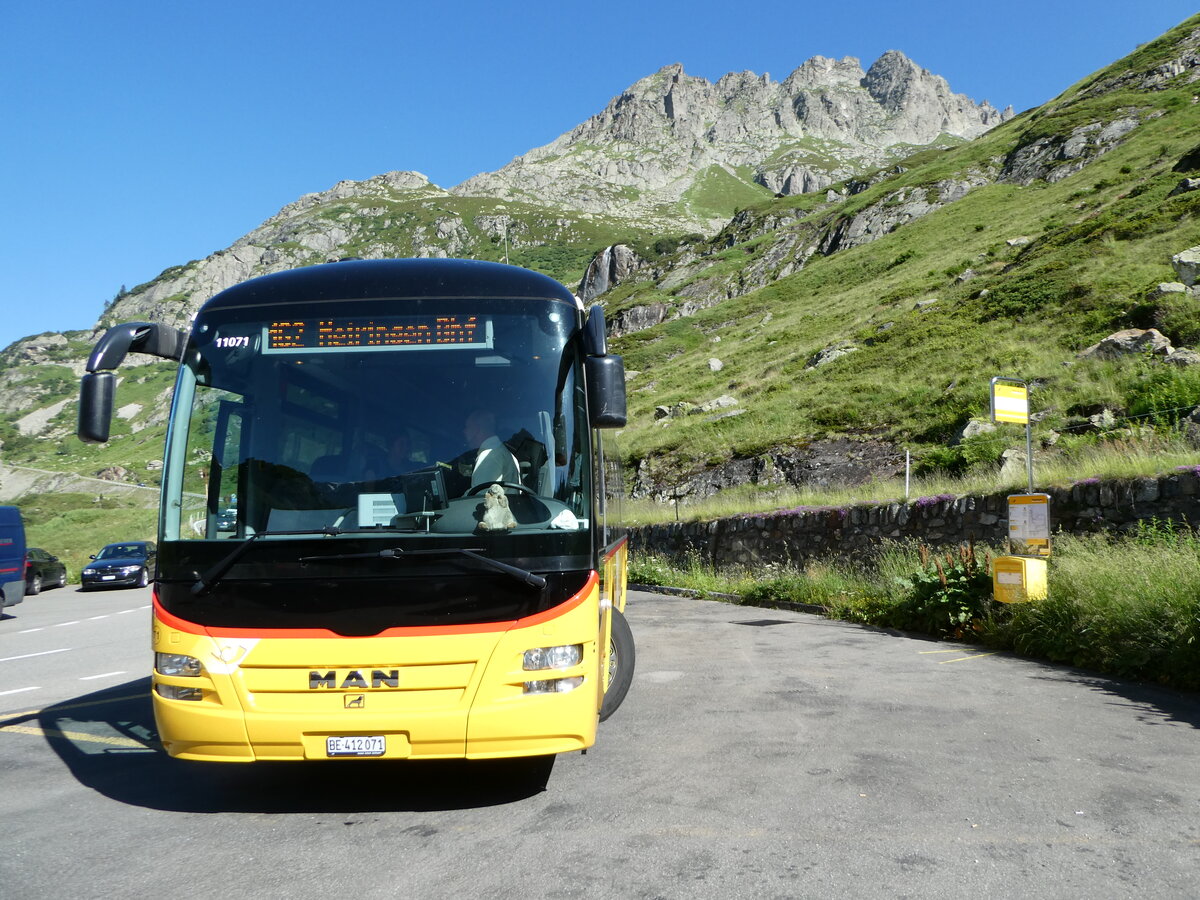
(894, 78)
(821, 71)
(653, 144)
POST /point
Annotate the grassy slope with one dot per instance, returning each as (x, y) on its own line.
(135, 441)
(1103, 239)
(558, 244)
(74, 526)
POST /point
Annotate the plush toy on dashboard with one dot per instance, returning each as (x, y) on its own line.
(496, 514)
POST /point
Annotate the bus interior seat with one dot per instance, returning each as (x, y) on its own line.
(531, 457)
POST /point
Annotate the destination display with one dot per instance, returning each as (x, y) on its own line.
(292, 335)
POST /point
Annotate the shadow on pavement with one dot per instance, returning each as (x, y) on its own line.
(1153, 705)
(108, 741)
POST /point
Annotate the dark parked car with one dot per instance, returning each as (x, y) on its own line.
(42, 570)
(129, 564)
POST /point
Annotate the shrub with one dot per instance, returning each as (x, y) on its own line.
(1179, 319)
(650, 569)
(1166, 395)
(983, 448)
(1029, 292)
(949, 596)
(942, 460)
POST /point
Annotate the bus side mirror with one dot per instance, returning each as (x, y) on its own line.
(595, 339)
(97, 391)
(151, 338)
(606, 391)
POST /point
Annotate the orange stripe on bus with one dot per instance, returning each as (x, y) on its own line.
(611, 551)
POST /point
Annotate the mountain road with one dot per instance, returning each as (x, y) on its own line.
(759, 753)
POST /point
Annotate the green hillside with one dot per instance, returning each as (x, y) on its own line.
(941, 304)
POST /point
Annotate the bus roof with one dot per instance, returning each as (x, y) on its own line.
(365, 279)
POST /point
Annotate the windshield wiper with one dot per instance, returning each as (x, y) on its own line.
(525, 577)
(208, 580)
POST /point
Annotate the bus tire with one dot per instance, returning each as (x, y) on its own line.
(621, 661)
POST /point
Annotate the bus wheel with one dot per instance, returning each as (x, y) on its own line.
(620, 665)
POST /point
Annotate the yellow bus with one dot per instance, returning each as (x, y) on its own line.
(390, 521)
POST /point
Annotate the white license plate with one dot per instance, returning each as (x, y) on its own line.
(108, 577)
(374, 745)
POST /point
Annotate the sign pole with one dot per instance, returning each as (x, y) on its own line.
(1029, 453)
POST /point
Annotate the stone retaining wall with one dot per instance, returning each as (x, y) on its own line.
(794, 536)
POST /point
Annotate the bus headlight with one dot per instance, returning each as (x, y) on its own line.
(553, 685)
(562, 657)
(171, 692)
(176, 664)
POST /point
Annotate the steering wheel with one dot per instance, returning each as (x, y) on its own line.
(472, 491)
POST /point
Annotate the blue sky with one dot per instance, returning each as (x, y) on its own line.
(141, 135)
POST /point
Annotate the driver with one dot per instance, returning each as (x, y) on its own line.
(493, 460)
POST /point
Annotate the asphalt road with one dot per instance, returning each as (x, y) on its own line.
(759, 754)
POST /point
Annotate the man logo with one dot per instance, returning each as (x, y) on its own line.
(354, 680)
(356, 701)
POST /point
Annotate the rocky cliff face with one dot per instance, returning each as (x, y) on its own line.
(825, 122)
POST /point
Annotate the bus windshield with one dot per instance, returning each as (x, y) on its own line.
(423, 423)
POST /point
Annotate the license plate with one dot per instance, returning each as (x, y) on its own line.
(108, 577)
(374, 745)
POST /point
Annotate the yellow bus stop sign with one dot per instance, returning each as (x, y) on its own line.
(1010, 402)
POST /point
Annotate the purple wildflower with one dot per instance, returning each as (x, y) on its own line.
(933, 501)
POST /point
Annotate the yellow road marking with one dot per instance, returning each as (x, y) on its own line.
(957, 650)
(12, 717)
(77, 736)
(961, 658)
(112, 741)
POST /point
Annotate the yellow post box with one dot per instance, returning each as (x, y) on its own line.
(1016, 579)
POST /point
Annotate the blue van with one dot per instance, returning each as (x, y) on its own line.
(12, 557)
